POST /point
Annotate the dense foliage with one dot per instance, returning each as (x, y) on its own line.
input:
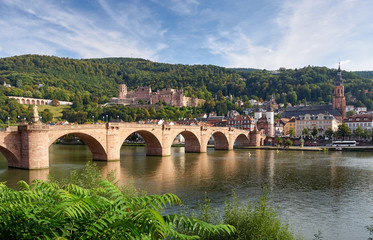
(252, 220)
(62, 78)
(308, 84)
(45, 210)
(364, 74)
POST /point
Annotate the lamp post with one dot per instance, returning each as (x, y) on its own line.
(41, 119)
(8, 121)
(103, 119)
(118, 118)
(18, 119)
(107, 118)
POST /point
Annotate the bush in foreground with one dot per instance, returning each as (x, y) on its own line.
(45, 210)
(258, 220)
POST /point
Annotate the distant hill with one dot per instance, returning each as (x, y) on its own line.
(364, 74)
(246, 69)
(89, 80)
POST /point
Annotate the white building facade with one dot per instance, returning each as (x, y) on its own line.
(321, 121)
(365, 121)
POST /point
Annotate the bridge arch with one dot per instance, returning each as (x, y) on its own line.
(97, 149)
(192, 143)
(13, 161)
(153, 144)
(242, 140)
(221, 141)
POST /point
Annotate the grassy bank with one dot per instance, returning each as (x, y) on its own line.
(56, 111)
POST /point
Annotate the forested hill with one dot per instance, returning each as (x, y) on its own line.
(66, 79)
(364, 74)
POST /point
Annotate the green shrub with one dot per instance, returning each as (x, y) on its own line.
(252, 221)
(45, 210)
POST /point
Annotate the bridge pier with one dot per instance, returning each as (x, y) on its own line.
(113, 144)
(157, 151)
(34, 147)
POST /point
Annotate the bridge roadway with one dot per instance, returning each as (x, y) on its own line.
(27, 146)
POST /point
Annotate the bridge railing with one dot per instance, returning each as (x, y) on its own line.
(9, 129)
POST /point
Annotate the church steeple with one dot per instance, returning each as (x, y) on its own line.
(338, 78)
(339, 100)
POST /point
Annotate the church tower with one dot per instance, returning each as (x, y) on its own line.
(339, 100)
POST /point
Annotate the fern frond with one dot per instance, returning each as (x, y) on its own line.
(151, 222)
(23, 186)
(198, 226)
(77, 190)
(174, 234)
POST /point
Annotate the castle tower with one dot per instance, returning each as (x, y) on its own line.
(122, 91)
(339, 100)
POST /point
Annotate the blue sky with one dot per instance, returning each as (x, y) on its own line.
(266, 34)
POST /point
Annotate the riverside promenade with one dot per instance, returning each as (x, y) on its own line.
(314, 148)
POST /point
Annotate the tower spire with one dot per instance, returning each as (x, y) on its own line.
(339, 100)
(338, 78)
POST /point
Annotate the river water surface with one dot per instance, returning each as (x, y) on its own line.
(327, 191)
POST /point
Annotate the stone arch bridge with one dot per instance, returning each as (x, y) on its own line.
(27, 146)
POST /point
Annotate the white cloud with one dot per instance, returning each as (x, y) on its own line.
(310, 33)
(46, 28)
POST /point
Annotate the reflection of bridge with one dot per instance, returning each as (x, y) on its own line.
(27, 146)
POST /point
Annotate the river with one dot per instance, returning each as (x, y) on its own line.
(327, 191)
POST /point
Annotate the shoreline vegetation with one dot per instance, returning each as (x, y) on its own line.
(85, 205)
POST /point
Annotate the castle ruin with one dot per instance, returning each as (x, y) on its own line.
(173, 97)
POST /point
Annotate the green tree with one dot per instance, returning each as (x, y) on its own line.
(291, 132)
(292, 97)
(359, 132)
(220, 96)
(279, 141)
(46, 115)
(366, 134)
(343, 131)
(27, 94)
(288, 143)
(305, 132)
(301, 142)
(55, 102)
(315, 131)
(350, 113)
(329, 133)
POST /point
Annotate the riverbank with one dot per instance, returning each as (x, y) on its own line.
(315, 148)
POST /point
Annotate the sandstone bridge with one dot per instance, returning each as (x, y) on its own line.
(27, 146)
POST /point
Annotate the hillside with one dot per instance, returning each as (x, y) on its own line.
(98, 79)
(364, 74)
